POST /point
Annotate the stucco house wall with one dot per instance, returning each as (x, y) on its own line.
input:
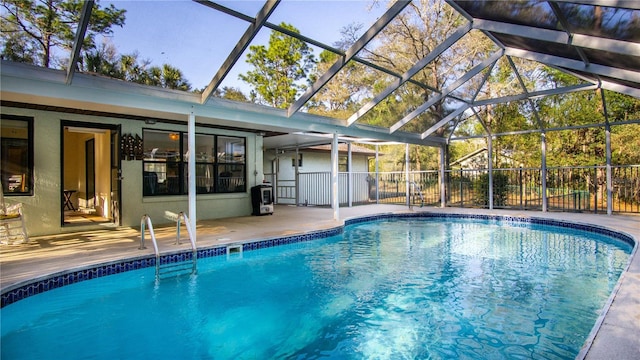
(43, 208)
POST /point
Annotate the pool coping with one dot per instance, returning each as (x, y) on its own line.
(50, 281)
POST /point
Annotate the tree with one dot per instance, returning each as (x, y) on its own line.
(166, 76)
(413, 34)
(106, 61)
(279, 69)
(409, 38)
(38, 29)
(231, 93)
(341, 97)
(102, 60)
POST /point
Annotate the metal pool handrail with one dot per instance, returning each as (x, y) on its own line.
(146, 221)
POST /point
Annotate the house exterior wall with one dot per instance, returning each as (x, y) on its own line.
(43, 208)
(313, 162)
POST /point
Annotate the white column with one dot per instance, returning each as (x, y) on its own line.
(377, 175)
(490, 163)
(544, 171)
(296, 175)
(443, 185)
(609, 175)
(335, 200)
(406, 174)
(349, 175)
(191, 146)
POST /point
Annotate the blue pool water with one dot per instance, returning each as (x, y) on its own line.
(390, 289)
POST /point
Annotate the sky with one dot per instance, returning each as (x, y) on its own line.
(197, 39)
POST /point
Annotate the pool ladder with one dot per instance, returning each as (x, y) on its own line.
(170, 268)
(416, 190)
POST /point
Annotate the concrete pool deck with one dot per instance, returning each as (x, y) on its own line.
(618, 336)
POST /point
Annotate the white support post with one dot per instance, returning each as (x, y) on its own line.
(335, 200)
(443, 185)
(544, 170)
(609, 175)
(377, 175)
(349, 175)
(406, 174)
(296, 163)
(490, 164)
(607, 133)
(191, 147)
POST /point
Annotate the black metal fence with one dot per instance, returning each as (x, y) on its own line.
(571, 189)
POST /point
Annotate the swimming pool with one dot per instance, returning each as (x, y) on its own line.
(395, 288)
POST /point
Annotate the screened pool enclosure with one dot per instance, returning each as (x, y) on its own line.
(549, 90)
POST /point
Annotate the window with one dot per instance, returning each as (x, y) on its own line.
(293, 160)
(219, 168)
(230, 169)
(16, 155)
(343, 163)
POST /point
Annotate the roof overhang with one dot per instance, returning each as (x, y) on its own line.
(40, 86)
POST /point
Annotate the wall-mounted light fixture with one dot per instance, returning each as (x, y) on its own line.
(174, 136)
(149, 121)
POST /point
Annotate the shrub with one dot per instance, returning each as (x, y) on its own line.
(481, 189)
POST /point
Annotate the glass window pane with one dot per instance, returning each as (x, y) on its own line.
(17, 155)
(231, 150)
(161, 145)
(204, 178)
(231, 178)
(204, 148)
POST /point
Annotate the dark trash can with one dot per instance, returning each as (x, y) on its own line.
(262, 199)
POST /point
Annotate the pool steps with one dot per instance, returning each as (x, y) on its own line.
(164, 267)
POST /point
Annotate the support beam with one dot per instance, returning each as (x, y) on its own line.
(490, 166)
(380, 24)
(627, 4)
(526, 91)
(241, 46)
(533, 131)
(191, 149)
(85, 16)
(407, 164)
(296, 163)
(310, 41)
(607, 133)
(335, 196)
(608, 71)
(543, 165)
(568, 29)
(442, 122)
(535, 94)
(457, 35)
(349, 175)
(443, 185)
(466, 77)
(559, 37)
(377, 174)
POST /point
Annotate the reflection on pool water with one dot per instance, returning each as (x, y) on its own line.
(390, 289)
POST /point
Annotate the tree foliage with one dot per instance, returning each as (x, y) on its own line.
(37, 31)
(279, 69)
(231, 93)
(346, 91)
(105, 60)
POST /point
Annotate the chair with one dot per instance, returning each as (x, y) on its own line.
(12, 225)
(150, 183)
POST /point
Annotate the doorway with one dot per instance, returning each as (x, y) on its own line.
(89, 159)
